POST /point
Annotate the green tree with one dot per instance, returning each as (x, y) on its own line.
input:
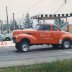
(12, 26)
(28, 21)
(62, 24)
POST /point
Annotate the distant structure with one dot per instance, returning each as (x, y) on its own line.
(52, 16)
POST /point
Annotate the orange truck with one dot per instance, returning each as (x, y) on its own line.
(41, 34)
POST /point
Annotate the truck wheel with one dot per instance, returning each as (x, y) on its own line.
(66, 44)
(24, 46)
(17, 46)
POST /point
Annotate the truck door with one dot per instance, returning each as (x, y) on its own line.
(56, 34)
(45, 34)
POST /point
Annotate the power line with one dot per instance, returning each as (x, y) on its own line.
(65, 1)
(59, 8)
(35, 4)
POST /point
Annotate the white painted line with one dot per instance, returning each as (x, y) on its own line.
(69, 52)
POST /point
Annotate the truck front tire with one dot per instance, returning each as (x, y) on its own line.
(24, 46)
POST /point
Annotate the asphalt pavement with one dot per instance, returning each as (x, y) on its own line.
(9, 56)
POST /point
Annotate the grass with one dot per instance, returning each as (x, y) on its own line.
(58, 66)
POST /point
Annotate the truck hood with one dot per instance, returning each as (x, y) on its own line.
(25, 31)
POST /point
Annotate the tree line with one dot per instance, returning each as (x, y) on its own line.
(27, 23)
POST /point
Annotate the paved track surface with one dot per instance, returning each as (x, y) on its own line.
(9, 56)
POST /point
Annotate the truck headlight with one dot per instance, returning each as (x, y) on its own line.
(16, 36)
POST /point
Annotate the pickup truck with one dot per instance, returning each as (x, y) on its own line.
(41, 34)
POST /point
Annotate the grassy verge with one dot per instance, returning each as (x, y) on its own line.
(58, 66)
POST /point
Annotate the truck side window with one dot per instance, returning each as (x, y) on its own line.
(40, 27)
(55, 28)
(47, 27)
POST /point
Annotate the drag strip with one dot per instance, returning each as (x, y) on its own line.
(9, 56)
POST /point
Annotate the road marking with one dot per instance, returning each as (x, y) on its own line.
(60, 50)
(6, 43)
(67, 52)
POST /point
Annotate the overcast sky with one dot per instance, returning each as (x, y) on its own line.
(33, 7)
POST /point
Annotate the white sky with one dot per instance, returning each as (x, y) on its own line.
(20, 7)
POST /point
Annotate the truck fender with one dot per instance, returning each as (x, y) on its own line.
(65, 37)
(30, 37)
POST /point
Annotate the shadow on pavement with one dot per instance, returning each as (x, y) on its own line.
(46, 49)
(41, 49)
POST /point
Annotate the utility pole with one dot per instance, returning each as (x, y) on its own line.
(66, 18)
(65, 1)
(1, 24)
(14, 21)
(7, 20)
